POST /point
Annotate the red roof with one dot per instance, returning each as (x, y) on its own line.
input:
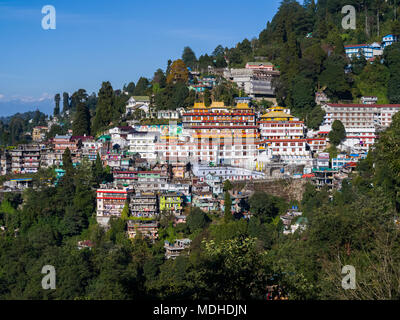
(352, 105)
(279, 121)
(83, 138)
(287, 140)
(351, 164)
(355, 45)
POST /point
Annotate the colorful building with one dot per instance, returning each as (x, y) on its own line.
(222, 135)
(143, 205)
(110, 202)
(171, 202)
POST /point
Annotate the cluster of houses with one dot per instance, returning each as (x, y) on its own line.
(167, 169)
(370, 51)
(230, 142)
(256, 79)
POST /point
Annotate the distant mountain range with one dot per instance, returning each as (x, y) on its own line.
(9, 108)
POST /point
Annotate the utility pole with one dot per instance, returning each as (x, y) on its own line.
(366, 19)
(378, 21)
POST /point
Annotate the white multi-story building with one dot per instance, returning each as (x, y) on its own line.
(144, 143)
(359, 138)
(225, 173)
(291, 151)
(360, 115)
(317, 144)
(281, 129)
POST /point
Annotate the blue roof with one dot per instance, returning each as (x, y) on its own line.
(22, 179)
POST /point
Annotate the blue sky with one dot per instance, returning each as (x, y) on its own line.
(110, 40)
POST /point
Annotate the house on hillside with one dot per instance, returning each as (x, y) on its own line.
(138, 103)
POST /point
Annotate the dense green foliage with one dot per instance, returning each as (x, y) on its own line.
(16, 129)
(338, 133)
(228, 259)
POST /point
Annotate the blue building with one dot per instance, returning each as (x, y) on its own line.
(389, 40)
(368, 50)
(371, 50)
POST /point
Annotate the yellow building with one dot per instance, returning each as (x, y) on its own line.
(39, 133)
(171, 202)
(277, 114)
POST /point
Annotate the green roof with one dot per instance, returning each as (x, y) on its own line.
(104, 137)
(260, 63)
(324, 169)
(141, 98)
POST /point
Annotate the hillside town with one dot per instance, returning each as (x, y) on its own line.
(262, 169)
(168, 168)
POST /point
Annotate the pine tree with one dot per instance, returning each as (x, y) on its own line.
(81, 124)
(189, 57)
(104, 108)
(98, 171)
(57, 99)
(228, 207)
(65, 101)
(67, 162)
(141, 87)
(125, 212)
(207, 98)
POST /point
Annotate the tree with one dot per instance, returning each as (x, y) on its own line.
(232, 269)
(141, 87)
(207, 98)
(98, 170)
(264, 206)
(55, 130)
(65, 101)
(228, 207)
(334, 78)
(178, 72)
(159, 78)
(303, 93)
(338, 133)
(125, 211)
(245, 47)
(67, 161)
(205, 61)
(196, 219)
(130, 88)
(218, 51)
(189, 57)
(57, 99)
(391, 57)
(104, 108)
(228, 185)
(81, 124)
(16, 129)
